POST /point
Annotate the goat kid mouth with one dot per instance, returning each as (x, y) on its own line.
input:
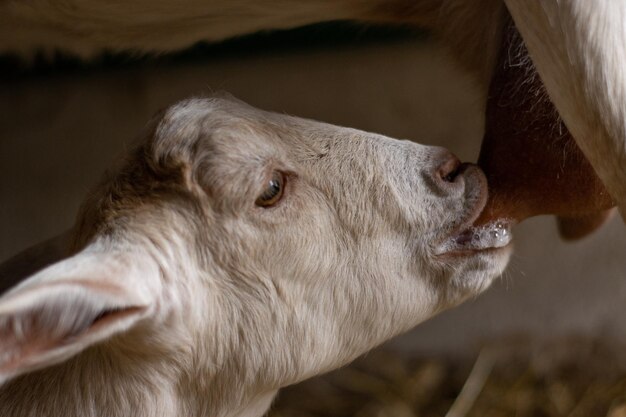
(466, 239)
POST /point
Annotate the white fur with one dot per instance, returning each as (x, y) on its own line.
(214, 303)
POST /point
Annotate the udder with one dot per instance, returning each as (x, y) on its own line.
(533, 165)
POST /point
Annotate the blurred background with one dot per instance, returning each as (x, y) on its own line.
(63, 122)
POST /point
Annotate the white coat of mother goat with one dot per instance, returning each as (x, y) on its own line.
(236, 252)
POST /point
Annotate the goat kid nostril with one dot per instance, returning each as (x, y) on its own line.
(449, 169)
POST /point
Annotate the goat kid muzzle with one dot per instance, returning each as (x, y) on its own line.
(464, 238)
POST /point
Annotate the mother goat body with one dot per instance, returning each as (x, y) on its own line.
(577, 46)
(236, 252)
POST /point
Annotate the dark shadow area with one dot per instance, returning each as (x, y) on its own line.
(316, 36)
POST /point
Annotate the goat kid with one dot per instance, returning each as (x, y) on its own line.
(236, 252)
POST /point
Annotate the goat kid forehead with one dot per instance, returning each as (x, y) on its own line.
(197, 130)
(228, 129)
(230, 149)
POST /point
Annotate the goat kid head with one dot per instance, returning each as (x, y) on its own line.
(240, 245)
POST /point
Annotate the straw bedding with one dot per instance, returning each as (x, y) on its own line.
(572, 378)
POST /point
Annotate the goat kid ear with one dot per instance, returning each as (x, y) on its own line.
(71, 305)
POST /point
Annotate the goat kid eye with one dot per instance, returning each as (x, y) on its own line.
(273, 192)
